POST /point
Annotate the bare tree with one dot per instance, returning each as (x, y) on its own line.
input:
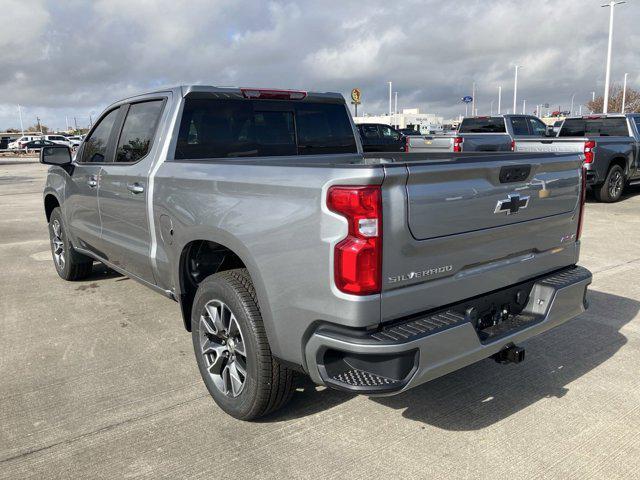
(632, 102)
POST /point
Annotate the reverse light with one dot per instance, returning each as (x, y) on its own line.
(588, 151)
(263, 94)
(457, 144)
(358, 258)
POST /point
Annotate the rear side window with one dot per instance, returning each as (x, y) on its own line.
(214, 128)
(482, 125)
(95, 148)
(138, 130)
(595, 127)
(519, 125)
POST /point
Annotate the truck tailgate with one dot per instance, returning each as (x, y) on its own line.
(430, 143)
(474, 224)
(550, 145)
(463, 197)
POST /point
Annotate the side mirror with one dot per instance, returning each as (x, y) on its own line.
(550, 132)
(55, 155)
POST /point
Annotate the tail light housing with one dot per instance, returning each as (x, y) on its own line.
(513, 145)
(358, 258)
(588, 151)
(457, 144)
(405, 145)
(583, 198)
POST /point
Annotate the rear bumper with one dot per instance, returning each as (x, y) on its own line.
(396, 358)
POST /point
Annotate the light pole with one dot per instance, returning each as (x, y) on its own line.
(390, 94)
(395, 110)
(515, 89)
(21, 124)
(524, 107)
(499, 99)
(473, 99)
(572, 99)
(612, 4)
(624, 92)
(492, 107)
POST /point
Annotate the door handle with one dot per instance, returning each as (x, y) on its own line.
(92, 182)
(135, 188)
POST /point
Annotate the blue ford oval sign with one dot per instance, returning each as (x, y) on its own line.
(467, 99)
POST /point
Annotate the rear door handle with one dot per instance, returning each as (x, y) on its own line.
(92, 182)
(135, 188)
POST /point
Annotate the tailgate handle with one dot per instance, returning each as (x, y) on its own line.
(514, 173)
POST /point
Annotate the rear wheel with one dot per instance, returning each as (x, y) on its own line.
(611, 190)
(232, 350)
(69, 264)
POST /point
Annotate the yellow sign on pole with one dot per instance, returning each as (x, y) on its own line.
(355, 95)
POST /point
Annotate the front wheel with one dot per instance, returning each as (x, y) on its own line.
(69, 264)
(232, 349)
(611, 190)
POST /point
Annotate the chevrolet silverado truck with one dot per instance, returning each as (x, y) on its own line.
(611, 147)
(481, 134)
(289, 249)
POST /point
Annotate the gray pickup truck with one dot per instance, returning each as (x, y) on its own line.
(481, 134)
(288, 249)
(611, 146)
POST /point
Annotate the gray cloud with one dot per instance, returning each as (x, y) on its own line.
(73, 58)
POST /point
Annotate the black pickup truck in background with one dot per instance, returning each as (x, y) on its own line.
(378, 137)
(611, 148)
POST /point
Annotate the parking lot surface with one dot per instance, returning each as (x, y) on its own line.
(98, 380)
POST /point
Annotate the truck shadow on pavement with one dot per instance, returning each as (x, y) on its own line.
(482, 394)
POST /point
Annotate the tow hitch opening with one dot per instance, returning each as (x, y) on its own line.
(509, 354)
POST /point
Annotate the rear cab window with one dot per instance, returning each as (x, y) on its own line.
(482, 125)
(595, 127)
(233, 128)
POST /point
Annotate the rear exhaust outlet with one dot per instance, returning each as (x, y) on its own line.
(509, 354)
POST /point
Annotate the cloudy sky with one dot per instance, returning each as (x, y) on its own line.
(72, 58)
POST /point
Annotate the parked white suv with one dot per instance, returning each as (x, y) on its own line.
(22, 141)
(59, 139)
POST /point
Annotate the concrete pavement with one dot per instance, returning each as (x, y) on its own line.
(98, 380)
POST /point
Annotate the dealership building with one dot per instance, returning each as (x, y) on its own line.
(409, 118)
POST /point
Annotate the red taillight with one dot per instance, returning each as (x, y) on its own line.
(273, 94)
(405, 147)
(358, 258)
(457, 144)
(583, 197)
(513, 145)
(588, 151)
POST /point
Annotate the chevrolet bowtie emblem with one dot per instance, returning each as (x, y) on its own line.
(513, 204)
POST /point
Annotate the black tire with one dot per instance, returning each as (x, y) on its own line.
(267, 384)
(611, 190)
(74, 265)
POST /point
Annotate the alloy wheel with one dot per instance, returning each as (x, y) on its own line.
(58, 244)
(615, 184)
(223, 348)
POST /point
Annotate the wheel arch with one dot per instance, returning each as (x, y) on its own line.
(50, 202)
(622, 162)
(203, 256)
